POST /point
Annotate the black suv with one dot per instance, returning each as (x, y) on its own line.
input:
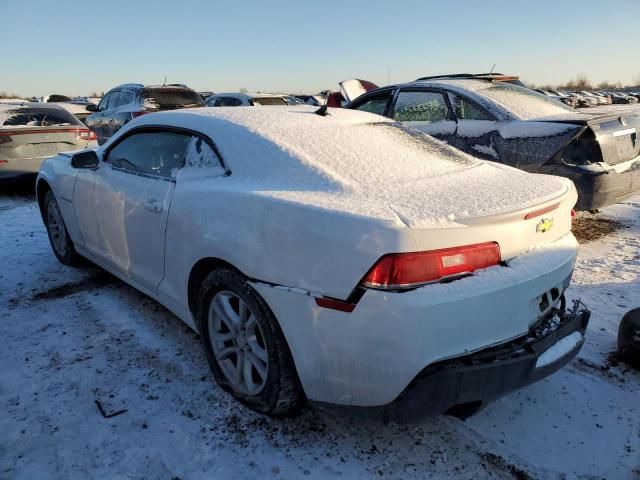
(125, 102)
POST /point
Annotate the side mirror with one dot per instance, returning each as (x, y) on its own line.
(91, 108)
(86, 159)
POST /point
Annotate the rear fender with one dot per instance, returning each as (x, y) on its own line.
(518, 147)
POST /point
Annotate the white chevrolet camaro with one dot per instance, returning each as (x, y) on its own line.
(341, 259)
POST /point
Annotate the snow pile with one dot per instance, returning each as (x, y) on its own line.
(559, 349)
(359, 163)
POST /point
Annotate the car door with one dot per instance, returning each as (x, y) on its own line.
(123, 113)
(95, 120)
(123, 206)
(109, 119)
(425, 110)
(477, 132)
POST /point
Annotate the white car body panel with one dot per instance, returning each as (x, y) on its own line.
(296, 244)
(368, 356)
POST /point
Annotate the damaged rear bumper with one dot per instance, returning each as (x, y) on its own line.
(464, 385)
(597, 189)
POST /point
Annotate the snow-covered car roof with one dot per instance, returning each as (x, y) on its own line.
(517, 100)
(358, 162)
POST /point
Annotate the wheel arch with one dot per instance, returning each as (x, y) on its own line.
(42, 187)
(199, 272)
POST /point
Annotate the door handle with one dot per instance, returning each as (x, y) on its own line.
(152, 205)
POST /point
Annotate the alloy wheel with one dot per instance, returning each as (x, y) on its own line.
(238, 343)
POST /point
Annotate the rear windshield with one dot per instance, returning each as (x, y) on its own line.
(524, 103)
(168, 98)
(58, 98)
(37, 117)
(269, 101)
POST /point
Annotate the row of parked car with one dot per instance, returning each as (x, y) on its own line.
(490, 116)
(583, 98)
(320, 239)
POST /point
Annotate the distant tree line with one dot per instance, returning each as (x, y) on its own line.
(582, 82)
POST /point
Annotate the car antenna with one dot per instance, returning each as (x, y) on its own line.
(491, 71)
(322, 111)
(165, 81)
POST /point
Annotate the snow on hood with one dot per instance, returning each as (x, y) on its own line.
(358, 163)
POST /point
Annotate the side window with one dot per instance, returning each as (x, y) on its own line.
(113, 100)
(155, 153)
(466, 110)
(126, 97)
(102, 106)
(201, 155)
(421, 107)
(376, 105)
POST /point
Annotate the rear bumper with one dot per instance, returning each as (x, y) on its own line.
(18, 167)
(601, 189)
(464, 385)
(369, 356)
(597, 191)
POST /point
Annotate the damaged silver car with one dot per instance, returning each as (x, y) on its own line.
(493, 118)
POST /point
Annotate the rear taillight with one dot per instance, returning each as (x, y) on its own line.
(573, 216)
(409, 270)
(137, 114)
(5, 138)
(86, 134)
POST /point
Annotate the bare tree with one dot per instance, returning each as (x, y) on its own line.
(582, 82)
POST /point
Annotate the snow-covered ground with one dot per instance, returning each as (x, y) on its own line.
(72, 337)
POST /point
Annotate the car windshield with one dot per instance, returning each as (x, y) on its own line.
(168, 98)
(36, 117)
(523, 102)
(269, 101)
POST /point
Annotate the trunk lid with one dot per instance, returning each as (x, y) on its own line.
(617, 135)
(516, 231)
(354, 87)
(39, 142)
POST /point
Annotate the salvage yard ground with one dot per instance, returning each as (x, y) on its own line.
(79, 346)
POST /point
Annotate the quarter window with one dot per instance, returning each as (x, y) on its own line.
(155, 153)
(466, 110)
(376, 104)
(201, 155)
(421, 107)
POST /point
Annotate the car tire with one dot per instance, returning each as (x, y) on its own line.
(251, 359)
(61, 243)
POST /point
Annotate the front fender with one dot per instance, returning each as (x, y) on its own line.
(58, 174)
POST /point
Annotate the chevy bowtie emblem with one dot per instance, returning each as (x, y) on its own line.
(544, 225)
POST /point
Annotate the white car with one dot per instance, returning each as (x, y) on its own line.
(342, 259)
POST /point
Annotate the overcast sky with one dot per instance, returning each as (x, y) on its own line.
(74, 47)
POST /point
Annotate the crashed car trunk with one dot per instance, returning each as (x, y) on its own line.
(518, 127)
(602, 159)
